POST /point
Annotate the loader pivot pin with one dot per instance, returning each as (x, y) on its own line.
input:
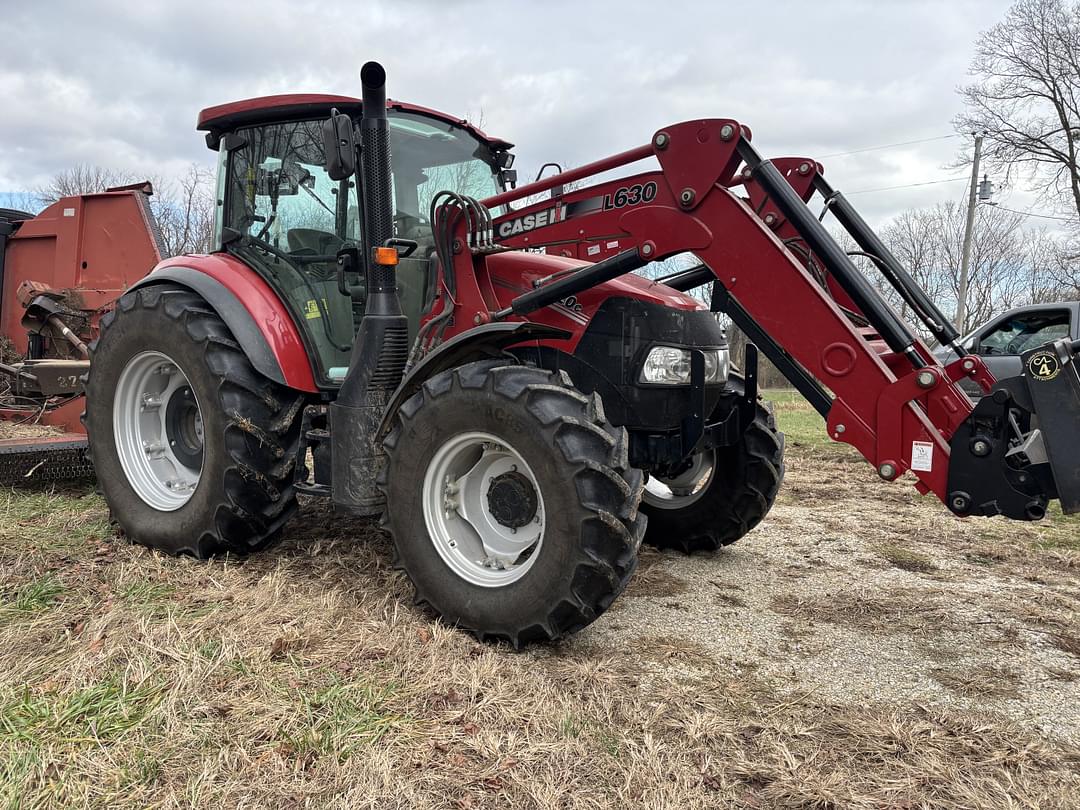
(887, 471)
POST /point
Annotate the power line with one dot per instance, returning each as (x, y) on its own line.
(1040, 216)
(907, 185)
(888, 146)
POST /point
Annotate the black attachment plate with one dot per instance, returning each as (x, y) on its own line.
(982, 481)
(1054, 387)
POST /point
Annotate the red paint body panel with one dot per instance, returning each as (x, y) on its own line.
(264, 305)
(274, 108)
(93, 247)
(511, 274)
(802, 180)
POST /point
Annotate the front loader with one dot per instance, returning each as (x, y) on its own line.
(378, 325)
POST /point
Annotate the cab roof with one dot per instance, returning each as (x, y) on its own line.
(300, 106)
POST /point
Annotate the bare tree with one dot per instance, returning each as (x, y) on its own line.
(183, 208)
(1009, 266)
(80, 179)
(1026, 97)
(22, 201)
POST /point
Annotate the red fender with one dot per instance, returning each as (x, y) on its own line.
(258, 303)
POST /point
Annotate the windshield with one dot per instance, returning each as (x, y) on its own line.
(430, 156)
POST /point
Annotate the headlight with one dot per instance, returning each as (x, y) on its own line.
(669, 365)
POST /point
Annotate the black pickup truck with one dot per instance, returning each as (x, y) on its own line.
(1001, 340)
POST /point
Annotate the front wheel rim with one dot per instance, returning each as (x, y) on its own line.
(686, 488)
(158, 427)
(483, 509)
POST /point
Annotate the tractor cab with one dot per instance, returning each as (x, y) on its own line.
(279, 211)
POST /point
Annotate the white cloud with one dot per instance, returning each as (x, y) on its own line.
(120, 84)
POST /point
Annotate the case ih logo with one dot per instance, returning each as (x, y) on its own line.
(513, 227)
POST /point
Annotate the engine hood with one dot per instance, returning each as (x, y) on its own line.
(514, 272)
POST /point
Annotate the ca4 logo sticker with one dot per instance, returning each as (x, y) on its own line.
(1043, 366)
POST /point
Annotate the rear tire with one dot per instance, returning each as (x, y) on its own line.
(740, 490)
(222, 473)
(564, 485)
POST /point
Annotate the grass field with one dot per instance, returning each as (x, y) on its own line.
(304, 677)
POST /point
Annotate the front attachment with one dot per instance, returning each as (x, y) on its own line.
(1021, 444)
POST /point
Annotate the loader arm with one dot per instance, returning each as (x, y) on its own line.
(900, 409)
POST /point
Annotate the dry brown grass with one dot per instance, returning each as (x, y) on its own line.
(305, 678)
(907, 560)
(27, 429)
(980, 681)
(897, 611)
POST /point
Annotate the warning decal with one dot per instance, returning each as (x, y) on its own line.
(922, 456)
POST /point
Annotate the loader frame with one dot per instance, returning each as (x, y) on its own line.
(862, 368)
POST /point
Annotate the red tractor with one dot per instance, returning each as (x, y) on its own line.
(378, 325)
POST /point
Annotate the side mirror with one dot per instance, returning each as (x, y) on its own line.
(339, 141)
(508, 178)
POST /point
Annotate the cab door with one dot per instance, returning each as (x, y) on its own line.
(287, 219)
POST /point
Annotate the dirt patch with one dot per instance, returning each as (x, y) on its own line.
(653, 580)
(893, 602)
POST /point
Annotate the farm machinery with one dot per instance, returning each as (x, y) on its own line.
(389, 321)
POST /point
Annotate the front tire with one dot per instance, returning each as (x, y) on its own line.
(724, 493)
(193, 449)
(511, 502)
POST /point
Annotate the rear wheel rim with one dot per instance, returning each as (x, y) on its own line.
(483, 509)
(686, 488)
(158, 428)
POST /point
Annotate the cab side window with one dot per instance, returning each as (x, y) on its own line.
(1022, 333)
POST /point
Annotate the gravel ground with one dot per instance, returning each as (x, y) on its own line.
(859, 592)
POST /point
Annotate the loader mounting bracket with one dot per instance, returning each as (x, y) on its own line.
(982, 480)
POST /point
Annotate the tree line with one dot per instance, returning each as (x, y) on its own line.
(183, 206)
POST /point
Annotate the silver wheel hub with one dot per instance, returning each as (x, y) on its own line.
(685, 488)
(483, 509)
(158, 428)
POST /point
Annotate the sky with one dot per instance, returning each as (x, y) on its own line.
(119, 84)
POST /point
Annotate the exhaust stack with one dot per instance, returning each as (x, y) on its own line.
(381, 347)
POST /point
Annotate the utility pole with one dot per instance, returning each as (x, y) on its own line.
(965, 259)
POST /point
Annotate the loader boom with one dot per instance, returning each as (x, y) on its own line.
(898, 407)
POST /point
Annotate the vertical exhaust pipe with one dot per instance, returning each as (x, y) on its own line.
(378, 195)
(381, 347)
